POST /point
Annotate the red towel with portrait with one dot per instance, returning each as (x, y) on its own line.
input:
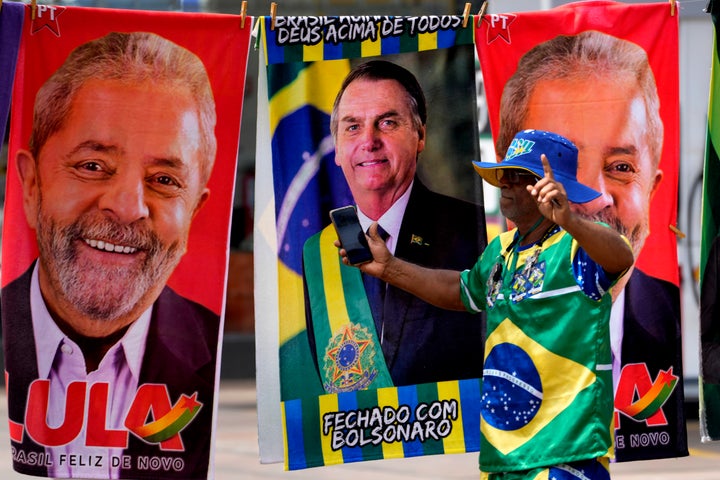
(119, 193)
(605, 75)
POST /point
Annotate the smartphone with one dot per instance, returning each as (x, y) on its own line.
(351, 234)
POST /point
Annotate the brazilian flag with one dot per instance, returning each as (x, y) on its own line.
(307, 185)
(710, 392)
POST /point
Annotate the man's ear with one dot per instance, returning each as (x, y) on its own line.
(656, 183)
(421, 138)
(27, 171)
(204, 195)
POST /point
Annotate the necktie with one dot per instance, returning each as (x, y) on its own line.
(375, 290)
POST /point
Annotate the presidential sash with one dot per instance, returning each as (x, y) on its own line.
(349, 355)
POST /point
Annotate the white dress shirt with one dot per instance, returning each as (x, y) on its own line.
(616, 336)
(391, 220)
(60, 360)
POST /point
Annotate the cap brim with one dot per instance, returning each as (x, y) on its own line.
(487, 170)
(576, 191)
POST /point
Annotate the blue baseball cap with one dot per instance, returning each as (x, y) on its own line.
(524, 154)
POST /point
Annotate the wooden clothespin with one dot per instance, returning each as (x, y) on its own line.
(466, 14)
(672, 7)
(483, 9)
(243, 13)
(33, 9)
(273, 14)
(676, 231)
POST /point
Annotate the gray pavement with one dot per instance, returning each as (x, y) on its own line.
(237, 458)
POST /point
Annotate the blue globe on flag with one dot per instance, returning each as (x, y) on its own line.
(512, 390)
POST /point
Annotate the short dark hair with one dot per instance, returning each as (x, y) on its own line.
(384, 70)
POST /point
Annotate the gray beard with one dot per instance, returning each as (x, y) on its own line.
(636, 236)
(99, 291)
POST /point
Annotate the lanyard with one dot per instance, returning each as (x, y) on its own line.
(513, 247)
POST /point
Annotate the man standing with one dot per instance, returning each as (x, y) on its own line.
(547, 387)
(121, 151)
(599, 92)
(379, 127)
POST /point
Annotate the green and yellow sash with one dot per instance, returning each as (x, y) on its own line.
(348, 351)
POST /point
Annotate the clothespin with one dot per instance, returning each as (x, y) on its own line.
(676, 231)
(483, 9)
(243, 13)
(273, 13)
(672, 7)
(466, 14)
(33, 9)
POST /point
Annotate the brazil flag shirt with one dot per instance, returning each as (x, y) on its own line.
(547, 378)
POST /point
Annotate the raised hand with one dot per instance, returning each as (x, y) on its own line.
(550, 195)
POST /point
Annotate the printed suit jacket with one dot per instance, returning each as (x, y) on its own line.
(423, 343)
(180, 352)
(652, 335)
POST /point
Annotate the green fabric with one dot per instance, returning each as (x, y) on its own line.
(297, 377)
(710, 393)
(710, 200)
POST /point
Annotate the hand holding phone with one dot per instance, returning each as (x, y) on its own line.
(351, 235)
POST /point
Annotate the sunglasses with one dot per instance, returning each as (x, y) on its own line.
(514, 176)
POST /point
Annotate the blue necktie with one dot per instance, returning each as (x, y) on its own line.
(375, 290)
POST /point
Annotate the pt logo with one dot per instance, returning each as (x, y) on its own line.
(498, 26)
(46, 16)
(87, 405)
(641, 398)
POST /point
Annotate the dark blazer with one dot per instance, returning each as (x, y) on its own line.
(652, 335)
(180, 352)
(423, 343)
